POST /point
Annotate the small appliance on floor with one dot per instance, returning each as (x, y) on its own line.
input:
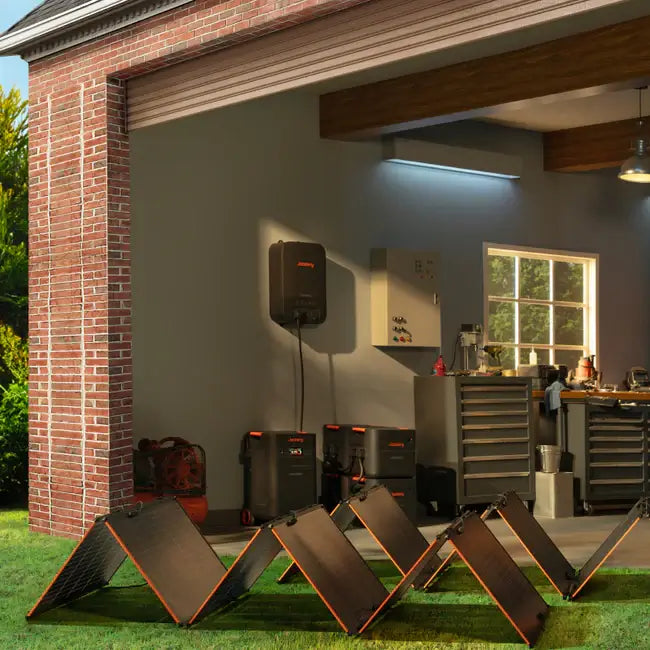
(279, 474)
(171, 467)
(358, 455)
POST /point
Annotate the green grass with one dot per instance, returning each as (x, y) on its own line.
(613, 613)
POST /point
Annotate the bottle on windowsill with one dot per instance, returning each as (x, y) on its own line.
(532, 357)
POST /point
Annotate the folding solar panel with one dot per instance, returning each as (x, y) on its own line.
(342, 516)
(324, 555)
(493, 567)
(389, 526)
(546, 554)
(498, 574)
(639, 510)
(164, 545)
(539, 545)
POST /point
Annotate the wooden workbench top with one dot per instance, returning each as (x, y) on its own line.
(576, 395)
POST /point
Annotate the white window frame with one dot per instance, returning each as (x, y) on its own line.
(590, 299)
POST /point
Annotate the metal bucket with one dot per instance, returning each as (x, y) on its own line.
(551, 455)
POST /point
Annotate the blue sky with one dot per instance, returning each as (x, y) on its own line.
(13, 70)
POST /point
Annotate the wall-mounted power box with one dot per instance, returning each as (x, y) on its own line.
(404, 298)
(297, 289)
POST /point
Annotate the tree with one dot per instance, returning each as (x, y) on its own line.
(13, 295)
(13, 210)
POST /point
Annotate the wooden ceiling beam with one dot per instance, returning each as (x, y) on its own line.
(615, 56)
(598, 146)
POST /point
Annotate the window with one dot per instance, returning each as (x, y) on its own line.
(541, 300)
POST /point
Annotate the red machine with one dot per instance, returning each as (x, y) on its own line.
(171, 467)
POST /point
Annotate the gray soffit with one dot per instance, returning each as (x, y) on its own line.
(56, 25)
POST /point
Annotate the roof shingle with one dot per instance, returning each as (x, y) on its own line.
(47, 9)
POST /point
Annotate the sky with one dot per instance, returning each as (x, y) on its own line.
(13, 70)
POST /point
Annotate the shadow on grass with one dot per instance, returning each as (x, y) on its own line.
(613, 587)
(109, 606)
(305, 612)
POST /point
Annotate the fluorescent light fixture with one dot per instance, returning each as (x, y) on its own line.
(456, 159)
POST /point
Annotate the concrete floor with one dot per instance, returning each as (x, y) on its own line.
(576, 537)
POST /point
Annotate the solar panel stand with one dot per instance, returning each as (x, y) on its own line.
(150, 536)
(342, 516)
(388, 525)
(566, 580)
(640, 510)
(428, 585)
(537, 543)
(324, 555)
(493, 567)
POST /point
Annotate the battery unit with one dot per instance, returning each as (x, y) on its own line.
(402, 489)
(372, 451)
(279, 473)
(297, 290)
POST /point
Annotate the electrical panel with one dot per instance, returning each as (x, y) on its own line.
(297, 283)
(404, 298)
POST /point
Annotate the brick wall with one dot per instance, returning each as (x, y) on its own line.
(79, 283)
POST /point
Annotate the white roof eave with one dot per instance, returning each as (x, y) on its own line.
(21, 40)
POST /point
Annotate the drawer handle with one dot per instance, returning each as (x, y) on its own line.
(499, 475)
(491, 441)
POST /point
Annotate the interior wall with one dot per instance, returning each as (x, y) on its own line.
(212, 192)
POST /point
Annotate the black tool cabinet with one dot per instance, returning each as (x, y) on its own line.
(616, 453)
(481, 427)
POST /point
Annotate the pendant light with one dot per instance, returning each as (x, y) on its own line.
(637, 168)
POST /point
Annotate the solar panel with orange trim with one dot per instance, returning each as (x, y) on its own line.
(388, 525)
(151, 536)
(567, 581)
(324, 555)
(495, 570)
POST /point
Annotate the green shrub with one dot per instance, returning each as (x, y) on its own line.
(13, 442)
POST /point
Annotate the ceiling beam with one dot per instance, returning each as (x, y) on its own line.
(612, 57)
(584, 148)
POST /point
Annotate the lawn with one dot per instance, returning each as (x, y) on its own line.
(614, 612)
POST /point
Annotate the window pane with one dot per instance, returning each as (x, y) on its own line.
(508, 358)
(501, 276)
(534, 279)
(542, 355)
(568, 281)
(534, 323)
(568, 358)
(501, 322)
(569, 325)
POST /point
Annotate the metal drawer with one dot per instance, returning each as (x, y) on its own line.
(482, 486)
(603, 473)
(496, 448)
(493, 392)
(597, 457)
(517, 432)
(499, 405)
(498, 465)
(483, 419)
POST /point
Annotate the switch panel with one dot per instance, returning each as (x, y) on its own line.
(404, 298)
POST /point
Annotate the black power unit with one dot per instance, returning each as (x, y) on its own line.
(358, 455)
(279, 473)
(372, 451)
(297, 283)
(401, 489)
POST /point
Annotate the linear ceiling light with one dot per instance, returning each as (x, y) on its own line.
(636, 169)
(456, 159)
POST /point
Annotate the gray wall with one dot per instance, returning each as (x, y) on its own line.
(211, 192)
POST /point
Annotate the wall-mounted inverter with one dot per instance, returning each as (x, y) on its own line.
(297, 283)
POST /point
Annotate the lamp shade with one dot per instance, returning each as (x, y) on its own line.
(636, 169)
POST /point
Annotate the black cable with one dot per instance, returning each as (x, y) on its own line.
(302, 377)
(453, 361)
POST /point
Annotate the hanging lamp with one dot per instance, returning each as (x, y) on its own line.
(636, 169)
